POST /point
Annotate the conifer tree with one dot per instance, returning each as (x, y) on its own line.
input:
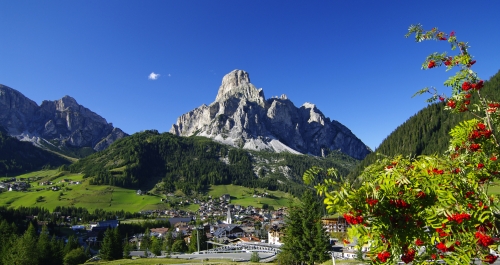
(305, 240)
(117, 244)
(21, 251)
(193, 244)
(56, 251)
(107, 245)
(146, 240)
(43, 247)
(126, 248)
(168, 242)
(112, 245)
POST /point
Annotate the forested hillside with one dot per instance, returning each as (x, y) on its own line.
(168, 163)
(18, 157)
(426, 132)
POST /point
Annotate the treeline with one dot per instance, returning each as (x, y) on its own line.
(19, 215)
(426, 132)
(33, 248)
(168, 162)
(20, 157)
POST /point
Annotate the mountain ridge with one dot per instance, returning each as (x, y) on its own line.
(241, 116)
(54, 124)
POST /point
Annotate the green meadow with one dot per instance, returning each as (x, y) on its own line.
(113, 198)
(245, 196)
(78, 195)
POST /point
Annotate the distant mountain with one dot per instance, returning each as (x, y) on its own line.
(21, 157)
(427, 132)
(167, 162)
(61, 125)
(241, 116)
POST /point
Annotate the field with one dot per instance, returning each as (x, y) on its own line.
(112, 198)
(79, 195)
(244, 196)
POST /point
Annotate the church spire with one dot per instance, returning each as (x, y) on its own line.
(228, 218)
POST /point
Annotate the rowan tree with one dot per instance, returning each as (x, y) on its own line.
(426, 208)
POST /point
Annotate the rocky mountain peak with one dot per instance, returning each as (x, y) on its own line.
(237, 84)
(60, 122)
(240, 116)
(65, 103)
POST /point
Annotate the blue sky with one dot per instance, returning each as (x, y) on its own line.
(350, 58)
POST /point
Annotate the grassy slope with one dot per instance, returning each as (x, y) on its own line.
(84, 195)
(244, 196)
(112, 198)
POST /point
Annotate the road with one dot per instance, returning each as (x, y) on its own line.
(241, 256)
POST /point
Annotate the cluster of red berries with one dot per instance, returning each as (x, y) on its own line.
(490, 258)
(493, 107)
(419, 242)
(399, 203)
(441, 232)
(459, 217)
(435, 171)
(466, 86)
(409, 256)
(482, 205)
(353, 220)
(484, 240)
(451, 103)
(474, 147)
(442, 246)
(482, 132)
(448, 61)
(383, 256)
(371, 202)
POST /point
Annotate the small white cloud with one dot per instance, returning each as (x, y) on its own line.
(153, 76)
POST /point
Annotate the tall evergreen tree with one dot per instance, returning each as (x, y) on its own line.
(7, 239)
(70, 245)
(146, 240)
(117, 244)
(126, 248)
(56, 251)
(193, 244)
(168, 242)
(155, 246)
(43, 247)
(305, 240)
(21, 251)
(112, 245)
(107, 245)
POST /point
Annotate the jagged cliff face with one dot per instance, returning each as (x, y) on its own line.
(59, 122)
(241, 116)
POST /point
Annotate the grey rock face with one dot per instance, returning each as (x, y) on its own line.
(241, 116)
(63, 121)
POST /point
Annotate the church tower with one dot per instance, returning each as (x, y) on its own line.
(228, 218)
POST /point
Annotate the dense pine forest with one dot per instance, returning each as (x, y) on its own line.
(21, 157)
(168, 163)
(426, 132)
